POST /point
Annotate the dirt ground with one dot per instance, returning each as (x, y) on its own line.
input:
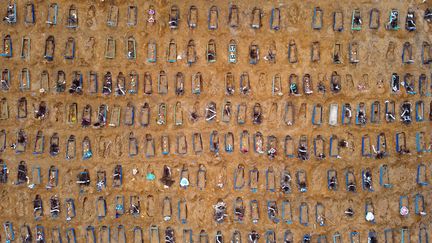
(110, 144)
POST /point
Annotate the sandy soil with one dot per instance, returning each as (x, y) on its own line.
(376, 62)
